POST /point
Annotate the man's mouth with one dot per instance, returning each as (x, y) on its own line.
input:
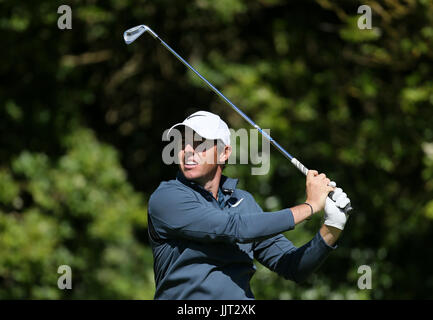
(190, 164)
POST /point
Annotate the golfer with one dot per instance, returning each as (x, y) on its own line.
(205, 232)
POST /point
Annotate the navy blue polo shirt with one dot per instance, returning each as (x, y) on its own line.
(204, 248)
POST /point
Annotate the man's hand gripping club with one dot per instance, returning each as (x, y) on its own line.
(318, 186)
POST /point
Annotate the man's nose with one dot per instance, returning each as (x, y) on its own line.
(189, 148)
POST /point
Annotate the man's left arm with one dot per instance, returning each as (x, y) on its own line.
(291, 262)
(330, 234)
(280, 255)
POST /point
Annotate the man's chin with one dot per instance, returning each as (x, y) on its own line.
(191, 173)
(197, 173)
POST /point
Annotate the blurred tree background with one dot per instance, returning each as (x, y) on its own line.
(82, 116)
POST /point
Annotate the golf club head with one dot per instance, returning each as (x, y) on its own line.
(132, 34)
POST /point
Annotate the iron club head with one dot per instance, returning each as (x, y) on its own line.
(132, 34)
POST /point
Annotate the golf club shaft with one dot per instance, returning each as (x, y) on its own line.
(293, 160)
(298, 165)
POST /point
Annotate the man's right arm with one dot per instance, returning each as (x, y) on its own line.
(177, 213)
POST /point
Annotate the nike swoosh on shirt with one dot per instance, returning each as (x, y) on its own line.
(237, 203)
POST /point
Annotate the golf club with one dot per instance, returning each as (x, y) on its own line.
(132, 34)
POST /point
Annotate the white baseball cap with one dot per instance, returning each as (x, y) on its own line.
(208, 125)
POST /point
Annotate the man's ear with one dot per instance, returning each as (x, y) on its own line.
(225, 154)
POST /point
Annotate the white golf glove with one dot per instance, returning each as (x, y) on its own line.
(334, 215)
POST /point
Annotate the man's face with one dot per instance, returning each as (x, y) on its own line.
(198, 157)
